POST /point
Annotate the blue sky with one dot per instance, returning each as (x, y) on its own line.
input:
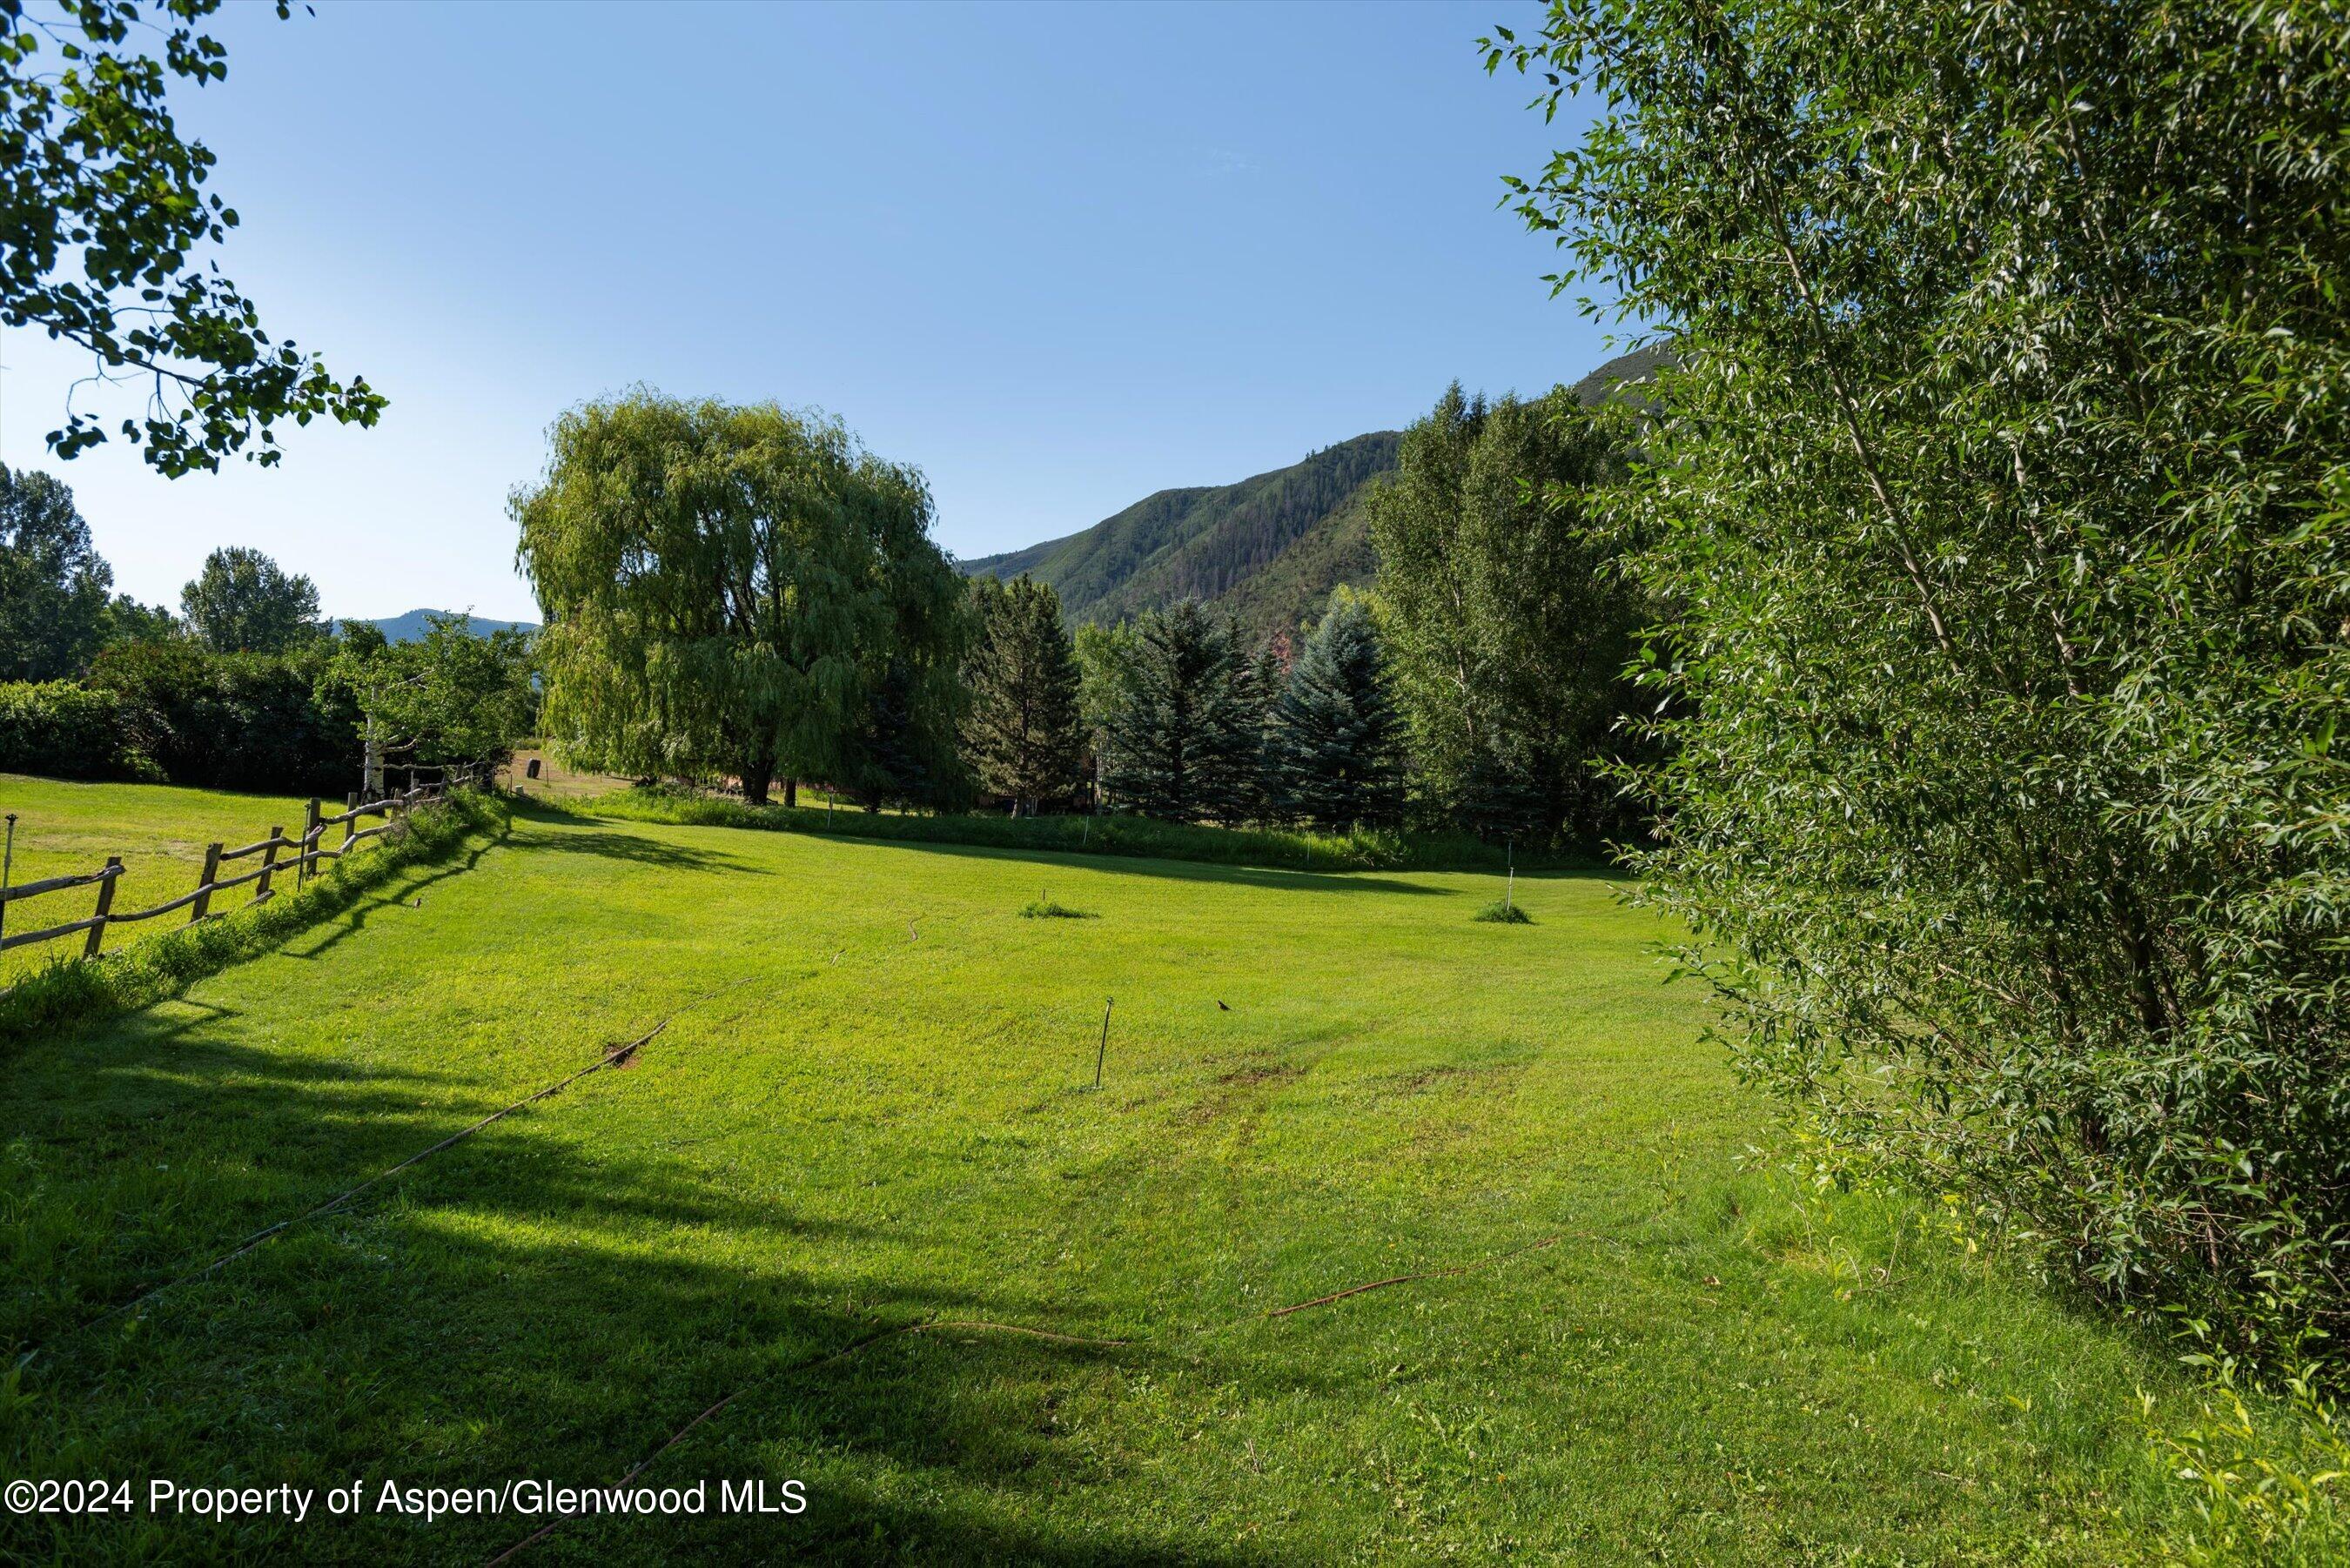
(1056, 256)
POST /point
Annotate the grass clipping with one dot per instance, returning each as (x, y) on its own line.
(148, 970)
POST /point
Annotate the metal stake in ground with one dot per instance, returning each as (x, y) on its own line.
(1510, 896)
(1101, 1056)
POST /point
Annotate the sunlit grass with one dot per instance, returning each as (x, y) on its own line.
(872, 1107)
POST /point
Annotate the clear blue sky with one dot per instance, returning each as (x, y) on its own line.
(1057, 257)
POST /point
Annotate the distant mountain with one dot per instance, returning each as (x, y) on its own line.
(411, 627)
(1269, 549)
(1223, 543)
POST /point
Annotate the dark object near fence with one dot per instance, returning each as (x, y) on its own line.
(308, 850)
(530, 769)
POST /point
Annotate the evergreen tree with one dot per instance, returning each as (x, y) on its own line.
(1176, 748)
(1340, 741)
(902, 750)
(1258, 684)
(1025, 734)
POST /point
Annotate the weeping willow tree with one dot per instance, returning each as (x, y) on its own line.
(726, 588)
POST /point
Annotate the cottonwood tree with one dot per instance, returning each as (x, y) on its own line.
(53, 582)
(104, 210)
(1023, 731)
(1508, 619)
(243, 602)
(726, 587)
(1179, 745)
(1337, 751)
(449, 697)
(2002, 497)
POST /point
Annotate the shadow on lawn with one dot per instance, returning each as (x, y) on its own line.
(521, 1304)
(1141, 866)
(351, 921)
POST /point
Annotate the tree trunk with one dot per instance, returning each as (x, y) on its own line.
(791, 791)
(758, 767)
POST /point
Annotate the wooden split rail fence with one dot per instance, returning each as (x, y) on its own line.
(308, 850)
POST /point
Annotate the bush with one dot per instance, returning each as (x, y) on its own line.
(1998, 499)
(65, 730)
(1046, 909)
(234, 721)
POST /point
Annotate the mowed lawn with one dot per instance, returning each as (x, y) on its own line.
(871, 1109)
(67, 829)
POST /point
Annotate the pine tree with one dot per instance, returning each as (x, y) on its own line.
(1258, 684)
(1024, 733)
(1340, 745)
(1178, 747)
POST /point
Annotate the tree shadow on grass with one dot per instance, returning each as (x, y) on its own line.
(351, 921)
(1179, 870)
(524, 1303)
(614, 843)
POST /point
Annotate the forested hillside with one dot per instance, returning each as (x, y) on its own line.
(1205, 543)
(1269, 549)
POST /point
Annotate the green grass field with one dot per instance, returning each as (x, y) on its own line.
(871, 1109)
(160, 832)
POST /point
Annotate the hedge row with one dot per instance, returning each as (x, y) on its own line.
(177, 714)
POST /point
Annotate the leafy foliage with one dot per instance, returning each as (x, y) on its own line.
(1510, 622)
(65, 730)
(233, 721)
(53, 582)
(93, 172)
(2002, 491)
(727, 588)
(451, 697)
(242, 602)
(1023, 730)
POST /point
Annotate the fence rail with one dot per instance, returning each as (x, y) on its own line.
(309, 848)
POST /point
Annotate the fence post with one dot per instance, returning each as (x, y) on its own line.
(205, 884)
(306, 866)
(105, 903)
(268, 863)
(350, 819)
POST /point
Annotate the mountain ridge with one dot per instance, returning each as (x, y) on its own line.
(1270, 548)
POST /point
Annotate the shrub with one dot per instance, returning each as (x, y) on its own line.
(233, 721)
(65, 730)
(1999, 501)
(1504, 914)
(1042, 908)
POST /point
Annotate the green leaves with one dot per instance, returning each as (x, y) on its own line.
(729, 589)
(92, 164)
(1997, 502)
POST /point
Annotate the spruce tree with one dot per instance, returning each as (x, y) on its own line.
(1178, 748)
(1258, 683)
(1340, 741)
(1023, 734)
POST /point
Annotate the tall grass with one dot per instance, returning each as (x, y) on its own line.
(1358, 849)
